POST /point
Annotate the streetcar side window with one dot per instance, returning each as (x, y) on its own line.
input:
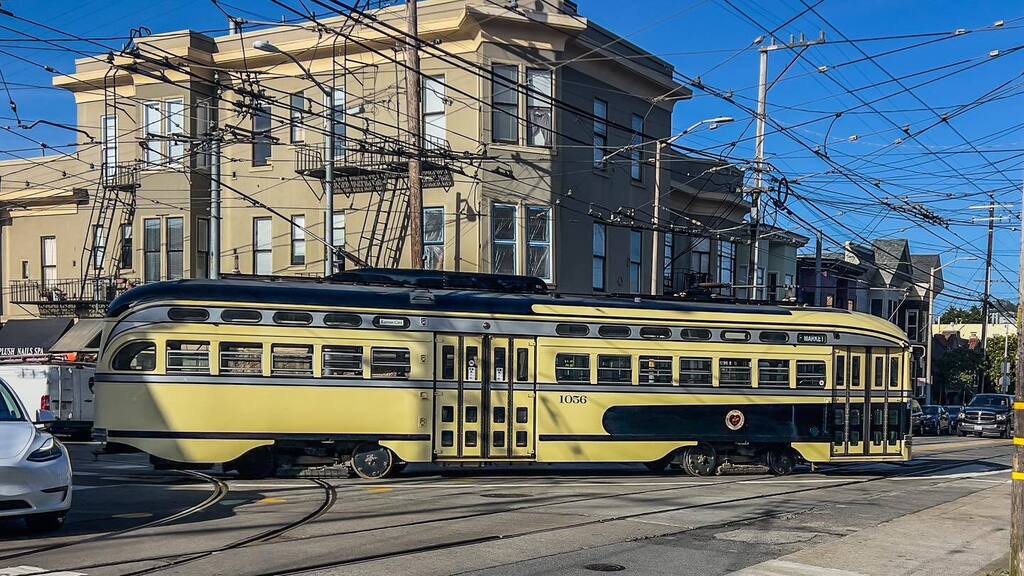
(878, 375)
(614, 331)
(840, 377)
(656, 370)
(894, 372)
(696, 334)
(343, 361)
(855, 371)
(390, 363)
(135, 357)
(472, 373)
(522, 364)
(189, 357)
(773, 337)
(657, 332)
(734, 372)
(500, 369)
(241, 316)
(810, 374)
(448, 362)
(291, 360)
(241, 358)
(614, 369)
(572, 368)
(695, 371)
(772, 373)
(293, 318)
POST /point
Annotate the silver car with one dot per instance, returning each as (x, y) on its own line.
(35, 469)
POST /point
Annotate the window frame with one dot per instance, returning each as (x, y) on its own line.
(431, 117)
(152, 148)
(769, 366)
(99, 246)
(617, 370)
(303, 358)
(692, 371)
(375, 363)
(262, 146)
(636, 153)
(175, 148)
(126, 258)
(297, 117)
(749, 370)
(237, 352)
(505, 108)
(175, 248)
(152, 254)
(433, 245)
(636, 257)
(533, 107)
(561, 371)
(600, 113)
(298, 240)
(513, 243)
(142, 344)
(801, 378)
(349, 352)
(194, 355)
(256, 249)
(546, 244)
(599, 259)
(655, 372)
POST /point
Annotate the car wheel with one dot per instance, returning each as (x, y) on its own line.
(45, 522)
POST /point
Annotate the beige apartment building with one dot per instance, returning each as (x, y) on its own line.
(521, 107)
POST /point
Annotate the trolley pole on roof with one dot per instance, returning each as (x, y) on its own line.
(1017, 502)
(412, 111)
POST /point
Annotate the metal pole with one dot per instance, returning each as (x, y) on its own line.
(818, 280)
(755, 203)
(458, 231)
(412, 88)
(655, 250)
(214, 239)
(1017, 499)
(988, 288)
(928, 344)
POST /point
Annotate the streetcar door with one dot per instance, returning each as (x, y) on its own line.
(458, 405)
(857, 408)
(509, 395)
(848, 402)
(877, 416)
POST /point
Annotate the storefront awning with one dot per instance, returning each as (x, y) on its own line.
(84, 336)
(31, 337)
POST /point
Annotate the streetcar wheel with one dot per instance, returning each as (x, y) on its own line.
(256, 464)
(373, 461)
(781, 461)
(699, 460)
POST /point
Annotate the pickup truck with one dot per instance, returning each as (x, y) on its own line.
(988, 414)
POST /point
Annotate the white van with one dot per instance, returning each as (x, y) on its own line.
(65, 390)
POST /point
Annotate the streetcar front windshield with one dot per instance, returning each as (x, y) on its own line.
(989, 402)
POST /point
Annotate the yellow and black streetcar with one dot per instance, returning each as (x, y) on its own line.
(378, 368)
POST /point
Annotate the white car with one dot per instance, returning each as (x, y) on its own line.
(35, 469)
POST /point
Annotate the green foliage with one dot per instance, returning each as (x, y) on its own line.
(955, 315)
(995, 357)
(958, 370)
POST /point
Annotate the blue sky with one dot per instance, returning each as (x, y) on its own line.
(933, 172)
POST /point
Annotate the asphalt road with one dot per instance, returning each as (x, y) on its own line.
(946, 510)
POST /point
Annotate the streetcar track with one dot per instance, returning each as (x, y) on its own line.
(220, 490)
(505, 537)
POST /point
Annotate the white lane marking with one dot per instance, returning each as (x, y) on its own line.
(25, 570)
(799, 481)
(787, 568)
(485, 486)
(954, 476)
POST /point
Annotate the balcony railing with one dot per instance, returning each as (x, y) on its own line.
(122, 175)
(69, 296)
(370, 164)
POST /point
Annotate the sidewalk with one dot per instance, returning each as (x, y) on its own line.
(956, 538)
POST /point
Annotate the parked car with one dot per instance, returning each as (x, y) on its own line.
(916, 416)
(988, 414)
(954, 417)
(35, 469)
(935, 419)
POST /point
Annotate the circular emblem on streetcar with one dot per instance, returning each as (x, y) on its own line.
(735, 420)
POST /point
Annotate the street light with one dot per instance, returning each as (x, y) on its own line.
(267, 46)
(712, 124)
(931, 320)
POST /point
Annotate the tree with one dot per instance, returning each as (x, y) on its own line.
(956, 372)
(994, 359)
(956, 315)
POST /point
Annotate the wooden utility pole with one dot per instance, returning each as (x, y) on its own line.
(412, 110)
(1017, 502)
(988, 291)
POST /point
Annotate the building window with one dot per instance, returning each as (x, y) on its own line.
(338, 123)
(24, 270)
(433, 238)
(297, 118)
(504, 103)
(125, 258)
(700, 256)
(503, 238)
(175, 125)
(204, 125)
(538, 240)
(726, 264)
(338, 240)
(600, 132)
(635, 250)
(636, 150)
(99, 246)
(109, 145)
(667, 260)
(435, 130)
(538, 107)
(298, 240)
(261, 144)
(175, 248)
(912, 325)
(759, 282)
(151, 124)
(151, 249)
(48, 248)
(600, 246)
(262, 247)
(201, 239)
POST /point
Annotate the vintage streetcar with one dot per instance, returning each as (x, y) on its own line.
(378, 368)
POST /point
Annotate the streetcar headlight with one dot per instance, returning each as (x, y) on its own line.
(50, 450)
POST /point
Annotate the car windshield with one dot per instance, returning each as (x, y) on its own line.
(986, 401)
(9, 409)
(931, 410)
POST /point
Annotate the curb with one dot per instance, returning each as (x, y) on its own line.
(995, 567)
